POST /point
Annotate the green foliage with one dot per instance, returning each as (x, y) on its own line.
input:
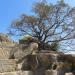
(54, 46)
(26, 37)
(42, 9)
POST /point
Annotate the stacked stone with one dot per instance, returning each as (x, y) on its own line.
(4, 53)
(6, 64)
(17, 73)
(9, 66)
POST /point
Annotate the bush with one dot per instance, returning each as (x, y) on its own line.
(54, 46)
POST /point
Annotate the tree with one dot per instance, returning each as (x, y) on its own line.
(50, 23)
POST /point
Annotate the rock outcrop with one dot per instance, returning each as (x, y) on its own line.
(41, 62)
(27, 60)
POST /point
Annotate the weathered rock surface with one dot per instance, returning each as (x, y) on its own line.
(40, 62)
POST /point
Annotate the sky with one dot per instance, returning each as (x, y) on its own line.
(11, 10)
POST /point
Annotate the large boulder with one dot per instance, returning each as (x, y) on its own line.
(18, 53)
(40, 62)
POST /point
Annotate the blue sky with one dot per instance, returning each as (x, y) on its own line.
(12, 9)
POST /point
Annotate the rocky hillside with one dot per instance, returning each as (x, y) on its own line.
(25, 59)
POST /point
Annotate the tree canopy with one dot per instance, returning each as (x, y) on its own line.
(50, 23)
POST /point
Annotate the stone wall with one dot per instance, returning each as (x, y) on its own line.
(4, 52)
(7, 65)
(17, 73)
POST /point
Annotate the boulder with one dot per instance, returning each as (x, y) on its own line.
(40, 62)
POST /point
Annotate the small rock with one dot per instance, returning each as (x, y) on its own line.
(69, 73)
